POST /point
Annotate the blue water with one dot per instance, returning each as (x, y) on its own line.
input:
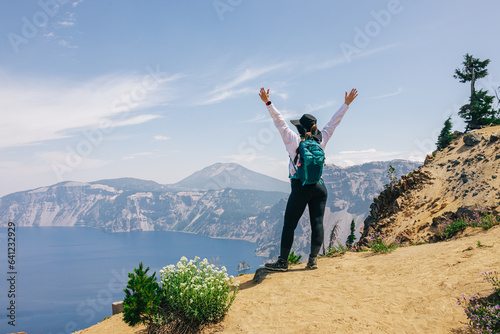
(68, 277)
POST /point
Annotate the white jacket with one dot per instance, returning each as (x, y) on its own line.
(292, 138)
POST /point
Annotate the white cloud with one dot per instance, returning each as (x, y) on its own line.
(350, 158)
(313, 108)
(284, 96)
(80, 162)
(36, 110)
(66, 23)
(161, 138)
(340, 60)
(228, 90)
(228, 94)
(134, 120)
(69, 21)
(259, 118)
(76, 3)
(290, 114)
(248, 74)
(135, 155)
(67, 44)
(399, 91)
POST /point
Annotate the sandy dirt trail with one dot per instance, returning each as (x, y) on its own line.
(411, 290)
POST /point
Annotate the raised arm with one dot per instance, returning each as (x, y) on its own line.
(337, 117)
(291, 139)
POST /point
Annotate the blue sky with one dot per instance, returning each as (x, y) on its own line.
(160, 89)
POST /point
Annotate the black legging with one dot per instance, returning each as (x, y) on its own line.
(313, 195)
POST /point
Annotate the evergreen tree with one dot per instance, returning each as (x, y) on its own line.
(479, 110)
(351, 237)
(142, 297)
(445, 137)
(392, 176)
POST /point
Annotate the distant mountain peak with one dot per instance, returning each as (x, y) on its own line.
(220, 167)
(230, 175)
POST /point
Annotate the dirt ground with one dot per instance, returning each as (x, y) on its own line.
(411, 290)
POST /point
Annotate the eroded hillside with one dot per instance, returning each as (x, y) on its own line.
(459, 179)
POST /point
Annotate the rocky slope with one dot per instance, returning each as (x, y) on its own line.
(459, 179)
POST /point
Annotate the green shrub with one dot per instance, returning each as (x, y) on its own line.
(483, 312)
(450, 228)
(142, 297)
(197, 292)
(191, 295)
(380, 245)
(294, 259)
(339, 249)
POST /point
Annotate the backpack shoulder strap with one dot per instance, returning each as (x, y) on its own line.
(293, 164)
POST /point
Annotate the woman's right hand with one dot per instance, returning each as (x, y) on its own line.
(352, 95)
(264, 96)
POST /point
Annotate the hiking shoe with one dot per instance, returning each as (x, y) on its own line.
(312, 263)
(280, 265)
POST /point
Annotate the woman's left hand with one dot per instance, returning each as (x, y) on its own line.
(264, 96)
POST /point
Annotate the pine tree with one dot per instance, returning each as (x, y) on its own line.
(142, 297)
(445, 137)
(479, 110)
(351, 238)
(392, 176)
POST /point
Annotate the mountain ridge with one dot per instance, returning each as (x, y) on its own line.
(129, 204)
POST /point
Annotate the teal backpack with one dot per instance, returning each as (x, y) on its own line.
(311, 161)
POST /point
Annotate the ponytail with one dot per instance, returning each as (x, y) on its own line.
(312, 131)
